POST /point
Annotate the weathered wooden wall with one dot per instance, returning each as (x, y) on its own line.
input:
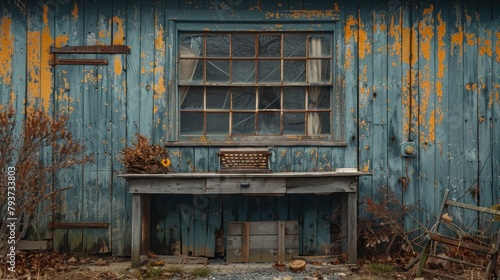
(427, 71)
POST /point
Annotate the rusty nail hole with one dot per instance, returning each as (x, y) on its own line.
(353, 137)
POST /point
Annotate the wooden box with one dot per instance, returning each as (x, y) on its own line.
(262, 241)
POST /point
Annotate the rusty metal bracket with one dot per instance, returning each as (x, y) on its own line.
(100, 49)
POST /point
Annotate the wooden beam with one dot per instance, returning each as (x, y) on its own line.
(52, 225)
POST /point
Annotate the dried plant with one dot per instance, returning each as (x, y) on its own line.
(385, 233)
(144, 157)
(35, 192)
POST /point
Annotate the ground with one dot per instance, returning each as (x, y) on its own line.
(47, 265)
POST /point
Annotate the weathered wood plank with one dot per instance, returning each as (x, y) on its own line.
(485, 109)
(201, 212)
(134, 70)
(261, 241)
(214, 223)
(365, 95)
(120, 198)
(136, 229)
(470, 113)
(187, 225)
(262, 228)
(147, 67)
(426, 108)
(495, 149)
(320, 185)
(246, 185)
(309, 228)
(188, 186)
(394, 98)
(259, 256)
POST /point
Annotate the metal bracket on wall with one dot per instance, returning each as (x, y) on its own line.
(100, 49)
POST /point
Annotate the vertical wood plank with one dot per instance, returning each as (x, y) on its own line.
(134, 70)
(365, 95)
(442, 99)
(426, 112)
(485, 109)
(495, 149)
(394, 97)
(147, 67)
(120, 198)
(281, 241)
(470, 113)
(245, 246)
(146, 224)
(159, 83)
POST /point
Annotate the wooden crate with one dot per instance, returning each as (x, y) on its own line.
(262, 241)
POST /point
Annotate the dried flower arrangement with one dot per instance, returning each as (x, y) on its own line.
(144, 157)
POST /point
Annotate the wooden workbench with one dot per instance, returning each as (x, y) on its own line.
(346, 183)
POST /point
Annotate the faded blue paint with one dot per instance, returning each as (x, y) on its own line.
(107, 107)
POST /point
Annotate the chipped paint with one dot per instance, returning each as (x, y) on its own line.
(410, 43)
(303, 14)
(497, 47)
(119, 31)
(426, 29)
(364, 43)
(6, 50)
(40, 82)
(395, 33)
(62, 40)
(485, 48)
(441, 49)
(118, 67)
(74, 13)
(366, 166)
(457, 39)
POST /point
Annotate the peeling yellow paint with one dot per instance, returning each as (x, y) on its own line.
(426, 29)
(159, 42)
(486, 48)
(441, 51)
(118, 65)
(471, 86)
(410, 42)
(6, 50)
(497, 47)
(74, 13)
(395, 33)
(364, 44)
(457, 39)
(471, 38)
(304, 14)
(119, 32)
(366, 166)
(40, 82)
(62, 40)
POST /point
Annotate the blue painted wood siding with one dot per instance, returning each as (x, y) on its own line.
(428, 72)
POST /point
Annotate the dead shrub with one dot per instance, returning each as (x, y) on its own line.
(144, 157)
(42, 147)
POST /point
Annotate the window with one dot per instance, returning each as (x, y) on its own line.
(257, 85)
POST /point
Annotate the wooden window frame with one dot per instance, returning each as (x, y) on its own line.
(242, 21)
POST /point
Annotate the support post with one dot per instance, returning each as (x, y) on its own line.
(136, 229)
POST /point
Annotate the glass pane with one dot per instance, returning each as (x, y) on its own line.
(217, 71)
(320, 46)
(243, 71)
(244, 98)
(318, 123)
(191, 98)
(244, 123)
(217, 46)
(294, 98)
(269, 98)
(191, 123)
(294, 71)
(319, 71)
(269, 46)
(191, 70)
(191, 45)
(218, 98)
(269, 71)
(218, 124)
(294, 45)
(294, 123)
(319, 98)
(243, 45)
(269, 123)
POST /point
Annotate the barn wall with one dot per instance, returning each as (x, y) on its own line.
(428, 72)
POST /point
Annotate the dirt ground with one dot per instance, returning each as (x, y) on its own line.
(58, 267)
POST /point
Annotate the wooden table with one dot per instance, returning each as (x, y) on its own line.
(346, 183)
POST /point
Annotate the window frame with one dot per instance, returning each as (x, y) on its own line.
(255, 21)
